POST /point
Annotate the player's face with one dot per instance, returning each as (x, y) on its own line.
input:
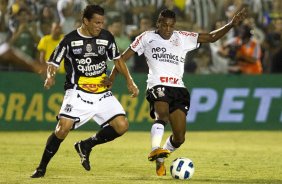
(166, 27)
(95, 25)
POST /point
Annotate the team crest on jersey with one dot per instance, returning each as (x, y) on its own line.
(68, 108)
(160, 92)
(88, 47)
(175, 42)
(101, 50)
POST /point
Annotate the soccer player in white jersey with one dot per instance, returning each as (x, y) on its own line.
(165, 50)
(85, 52)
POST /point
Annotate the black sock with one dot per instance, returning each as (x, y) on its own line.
(52, 146)
(106, 134)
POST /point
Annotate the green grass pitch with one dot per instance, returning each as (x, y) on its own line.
(219, 157)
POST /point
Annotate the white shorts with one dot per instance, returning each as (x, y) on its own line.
(81, 107)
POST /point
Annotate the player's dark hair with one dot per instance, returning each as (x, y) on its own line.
(166, 13)
(92, 9)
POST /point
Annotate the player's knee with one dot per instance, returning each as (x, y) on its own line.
(123, 127)
(163, 116)
(63, 128)
(61, 133)
(120, 126)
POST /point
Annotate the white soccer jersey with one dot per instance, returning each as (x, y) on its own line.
(165, 58)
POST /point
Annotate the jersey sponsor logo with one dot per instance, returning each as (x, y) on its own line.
(169, 80)
(102, 42)
(159, 53)
(85, 101)
(85, 66)
(108, 94)
(185, 33)
(77, 51)
(101, 50)
(77, 43)
(92, 84)
(136, 42)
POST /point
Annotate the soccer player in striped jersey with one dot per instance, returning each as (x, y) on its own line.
(85, 52)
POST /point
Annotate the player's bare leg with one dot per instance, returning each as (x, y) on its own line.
(178, 126)
(117, 127)
(53, 143)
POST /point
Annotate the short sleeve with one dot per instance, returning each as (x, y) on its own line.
(58, 54)
(112, 51)
(190, 40)
(138, 45)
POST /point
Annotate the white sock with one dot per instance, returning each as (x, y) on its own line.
(160, 159)
(157, 132)
(168, 145)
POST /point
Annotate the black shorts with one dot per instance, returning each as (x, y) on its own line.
(177, 98)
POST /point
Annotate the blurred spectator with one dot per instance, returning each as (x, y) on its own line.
(46, 17)
(49, 42)
(113, 8)
(219, 63)
(169, 4)
(137, 9)
(139, 64)
(3, 20)
(25, 35)
(202, 12)
(116, 27)
(275, 48)
(69, 12)
(245, 51)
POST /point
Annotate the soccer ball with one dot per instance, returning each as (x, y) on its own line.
(182, 168)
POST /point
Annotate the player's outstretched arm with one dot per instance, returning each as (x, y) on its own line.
(217, 34)
(125, 56)
(17, 58)
(121, 67)
(50, 78)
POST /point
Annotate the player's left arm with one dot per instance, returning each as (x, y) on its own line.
(217, 34)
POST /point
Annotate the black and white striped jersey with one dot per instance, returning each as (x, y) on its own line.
(85, 59)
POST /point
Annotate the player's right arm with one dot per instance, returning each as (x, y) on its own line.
(50, 78)
(54, 62)
(125, 56)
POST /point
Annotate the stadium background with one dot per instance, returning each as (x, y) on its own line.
(220, 100)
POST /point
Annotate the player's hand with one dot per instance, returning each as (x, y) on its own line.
(49, 82)
(238, 17)
(132, 88)
(107, 82)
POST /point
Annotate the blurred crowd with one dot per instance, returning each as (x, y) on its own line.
(36, 26)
